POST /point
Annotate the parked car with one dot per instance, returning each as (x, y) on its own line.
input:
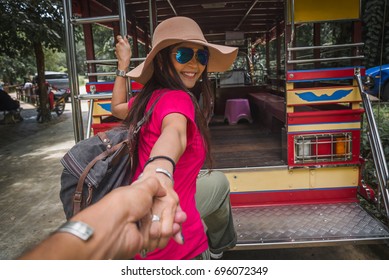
(58, 80)
(377, 81)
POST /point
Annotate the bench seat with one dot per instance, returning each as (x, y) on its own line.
(269, 106)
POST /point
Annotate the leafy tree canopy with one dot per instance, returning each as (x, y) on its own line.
(26, 22)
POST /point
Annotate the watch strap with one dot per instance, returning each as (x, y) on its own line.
(121, 73)
(77, 228)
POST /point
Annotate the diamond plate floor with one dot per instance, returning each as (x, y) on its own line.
(306, 224)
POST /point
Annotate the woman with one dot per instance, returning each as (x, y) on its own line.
(173, 144)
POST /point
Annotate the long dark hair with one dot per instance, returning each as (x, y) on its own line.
(162, 79)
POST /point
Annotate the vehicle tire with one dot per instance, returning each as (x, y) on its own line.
(385, 93)
(60, 107)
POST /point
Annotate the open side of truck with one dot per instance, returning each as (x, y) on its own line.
(288, 116)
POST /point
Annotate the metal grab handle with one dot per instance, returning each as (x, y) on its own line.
(94, 96)
(326, 59)
(376, 146)
(325, 47)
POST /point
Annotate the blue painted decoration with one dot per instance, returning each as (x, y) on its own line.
(312, 97)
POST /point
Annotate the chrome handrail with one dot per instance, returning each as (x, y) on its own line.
(72, 69)
(69, 22)
(325, 47)
(376, 146)
(95, 19)
(93, 96)
(103, 61)
(326, 59)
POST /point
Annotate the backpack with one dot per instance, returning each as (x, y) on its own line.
(95, 166)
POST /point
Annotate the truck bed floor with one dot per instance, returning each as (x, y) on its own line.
(306, 225)
(244, 145)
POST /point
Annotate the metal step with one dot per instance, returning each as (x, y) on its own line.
(306, 225)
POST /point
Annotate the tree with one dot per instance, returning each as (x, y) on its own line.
(15, 71)
(373, 13)
(27, 27)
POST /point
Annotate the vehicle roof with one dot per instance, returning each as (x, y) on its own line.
(253, 18)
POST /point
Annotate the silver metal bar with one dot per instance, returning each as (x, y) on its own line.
(95, 19)
(101, 61)
(97, 61)
(325, 59)
(95, 96)
(376, 146)
(123, 31)
(100, 74)
(90, 118)
(122, 17)
(246, 15)
(171, 6)
(151, 18)
(72, 70)
(325, 47)
(291, 28)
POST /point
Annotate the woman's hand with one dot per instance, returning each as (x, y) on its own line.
(166, 215)
(171, 143)
(153, 234)
(123, 52)
(119, 105)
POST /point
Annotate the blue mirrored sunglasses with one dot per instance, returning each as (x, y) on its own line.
(184, 55)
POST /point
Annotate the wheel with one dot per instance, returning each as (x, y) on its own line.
(60, 107)
(385, 93)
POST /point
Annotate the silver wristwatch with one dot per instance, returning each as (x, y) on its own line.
(77, 228)
(121, 73)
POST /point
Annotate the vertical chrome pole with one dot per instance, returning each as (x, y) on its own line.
(151, 18)
(292, 29)
(123, 32)
(122, 17)
(376, 145)
(72, 69)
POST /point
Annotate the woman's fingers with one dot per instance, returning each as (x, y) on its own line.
(123, 51)
(120, 37)
(165, 218)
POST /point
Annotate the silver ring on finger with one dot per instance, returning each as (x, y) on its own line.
(155, 218)
(143, 253)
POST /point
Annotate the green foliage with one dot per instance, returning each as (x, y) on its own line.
(23, 24)
(373, 16)
(29, 21)
(381, 113)
(104, 48)
(55, 61)
(15, 71)
(27, 27)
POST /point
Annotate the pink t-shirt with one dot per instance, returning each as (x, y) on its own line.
(187, 168)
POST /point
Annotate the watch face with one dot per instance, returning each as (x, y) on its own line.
(120, 73)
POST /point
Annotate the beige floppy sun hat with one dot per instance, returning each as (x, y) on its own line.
(177, 30)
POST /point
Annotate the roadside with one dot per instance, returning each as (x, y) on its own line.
(29, 179)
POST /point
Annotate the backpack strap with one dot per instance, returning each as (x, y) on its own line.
(77, 198)
(148, 113)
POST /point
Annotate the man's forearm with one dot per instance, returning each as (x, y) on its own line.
(107, 218)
